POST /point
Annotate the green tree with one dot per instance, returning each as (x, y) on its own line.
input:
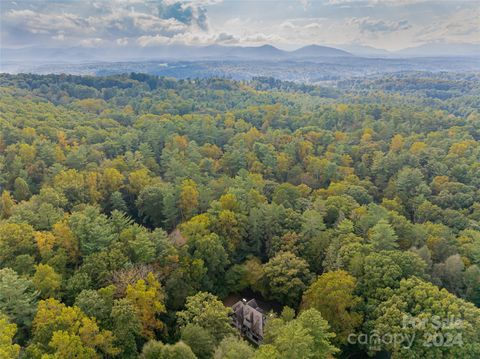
(385, 269)
(307, 336)
(150, 205)
(157, 350)
(117, 203)
(232, 347)
(210, 250)
(333, 295)
(312, 225)
(409, 185)
(46, 281)
(126, 326)
(7, 203)
(418, 309)
(450, 274)
(472, 280)
(97, 303)
(21, 190)
(205, 310)
(15, 240)
(287, 195)
(286, 277)
(92, 229)
(199, 339)
(267, 351)
(382, 236)
(17, 297)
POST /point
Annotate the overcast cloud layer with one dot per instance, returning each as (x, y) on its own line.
(387, 24)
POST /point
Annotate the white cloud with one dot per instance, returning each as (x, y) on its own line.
(390, 24)
(287, 25)
(376, 2)
(59, 37)
(225, 38)
(107, 20)
(122, 41)
(153, 40)
(305, 4)
(368, 24)
(42, 23)
(261, 38)
(463, 26)
(91, 42)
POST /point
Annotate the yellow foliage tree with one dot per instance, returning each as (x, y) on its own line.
(92, 180)
(397, 143)
(417, 147)
(67, 345)
(66, 240)
(138, 180)
(112, 180)
(188, 201)
(8, 350)
(46, 280)
(27, 153)
(7, 205)
(147, 296)
(55, 323)
(45, 243)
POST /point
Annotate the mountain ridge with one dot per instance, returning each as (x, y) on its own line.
(267, 52)
(169, 52)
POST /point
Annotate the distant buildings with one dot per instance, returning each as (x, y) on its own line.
(249, 319)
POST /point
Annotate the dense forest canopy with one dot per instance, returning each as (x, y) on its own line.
(132, 205)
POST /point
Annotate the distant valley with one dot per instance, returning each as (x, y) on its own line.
(313, 64)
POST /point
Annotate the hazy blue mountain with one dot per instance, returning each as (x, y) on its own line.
(441, 49)
(166, 52)
(260, 52)
(318, 51)
(365, 51)
(40, 55)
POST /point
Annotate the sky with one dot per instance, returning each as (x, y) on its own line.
(384, 24)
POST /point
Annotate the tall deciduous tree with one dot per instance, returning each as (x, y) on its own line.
(440, 324)
(157, 350)
(15, 239)
(55, 323)
(8, 349)
(205, 310)
(307, 336)
(126, 326)
(285, 277)
(188, 199)
(148, 298)
(21, 190)
(233, 347)
(333, 295)
(46, 280)
(199, 339)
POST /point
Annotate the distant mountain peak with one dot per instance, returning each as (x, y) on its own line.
(318, 51)
(265, 52)
(434, 49)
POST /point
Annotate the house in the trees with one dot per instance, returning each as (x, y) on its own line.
(249, 319)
